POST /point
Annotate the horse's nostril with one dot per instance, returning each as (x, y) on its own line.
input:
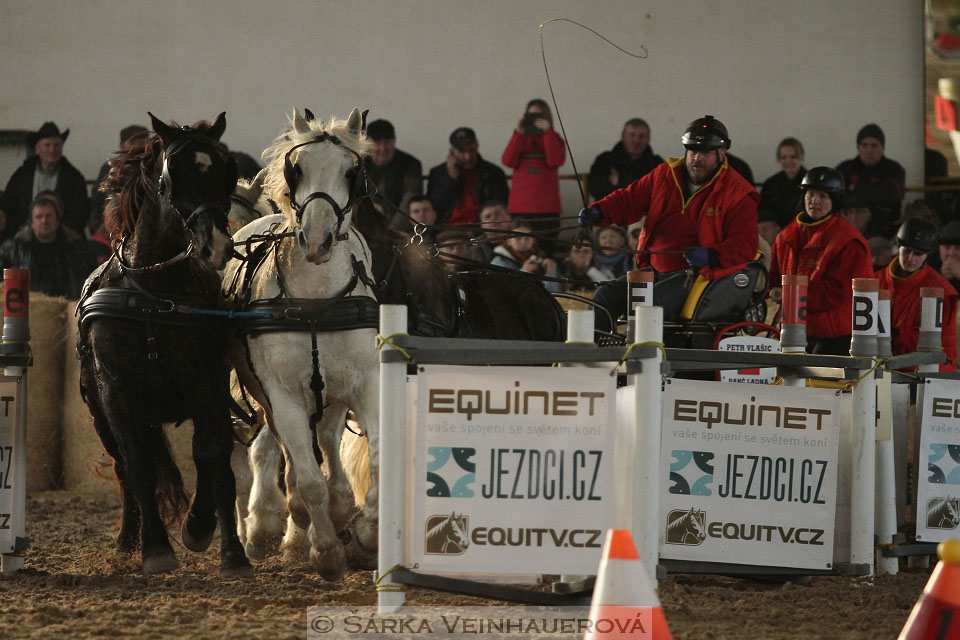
(302, 241)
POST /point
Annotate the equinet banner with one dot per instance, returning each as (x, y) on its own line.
(512, 470)
(749, 474)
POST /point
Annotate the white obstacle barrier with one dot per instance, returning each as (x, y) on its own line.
(14, 357)
(885, 508)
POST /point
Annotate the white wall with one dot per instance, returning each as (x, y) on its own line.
(817, 70)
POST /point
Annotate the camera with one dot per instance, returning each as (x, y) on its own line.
(529, 128)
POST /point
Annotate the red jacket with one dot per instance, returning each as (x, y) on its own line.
(905, 309)
(535, 187)
(830, 252)
(721, 215)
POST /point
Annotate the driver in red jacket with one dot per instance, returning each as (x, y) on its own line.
(700, 215)
(904, 277)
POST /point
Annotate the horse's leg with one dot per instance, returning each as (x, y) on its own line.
(342, 505)
(212, 447)
(241, 471)
(265, 508)
(305, 482)
(365, 527)
(128, 540)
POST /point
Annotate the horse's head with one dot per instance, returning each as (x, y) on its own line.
(197, 177)
(316, 174)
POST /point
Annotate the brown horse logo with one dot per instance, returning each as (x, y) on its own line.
(447, 535)
(686, 526)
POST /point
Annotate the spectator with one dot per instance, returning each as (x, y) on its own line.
(455, 244)
(128, 136)
(781, 192)
(740, 166)
(397, 175)
(919, 209)
(767, 225)
(880, 179)
(699, 214)
(950, 252)
(578, 267)
(494, 219)
(422, 211)
(535, 152)
(48, 170)
(609, 256)
(881, 251)
(520, 252)
(458, 186)
(904, 277)
(857, 212)
(628, 161)
(830, 252)
(55, 255)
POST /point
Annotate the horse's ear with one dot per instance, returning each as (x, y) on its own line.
(299, 124)
(308, 115)
(166, 132)
(363, 117)
(218, 127)
(259, 179)
(355, 122)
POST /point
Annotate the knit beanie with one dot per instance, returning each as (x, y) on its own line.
(872, 131)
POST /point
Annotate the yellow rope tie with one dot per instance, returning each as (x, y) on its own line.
(389, 341)
(626, 354)
(395, 588)
(579, 342)
(877, 362)
(930, 347)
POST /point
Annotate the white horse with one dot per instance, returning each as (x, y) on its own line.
(246, 204)
(307, 277)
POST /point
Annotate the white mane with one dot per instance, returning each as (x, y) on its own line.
(274, 185)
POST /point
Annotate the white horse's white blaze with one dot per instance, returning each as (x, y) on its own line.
(281, 362)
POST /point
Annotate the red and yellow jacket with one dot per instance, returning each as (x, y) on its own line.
(831, 253)
(721, 215)
(905, 309)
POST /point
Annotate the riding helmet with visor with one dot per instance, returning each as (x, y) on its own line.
(705, 134)
(828, 180)
(918, 234)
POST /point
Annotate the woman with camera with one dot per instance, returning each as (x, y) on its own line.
(535, 152)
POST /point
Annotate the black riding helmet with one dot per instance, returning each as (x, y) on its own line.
(827, 180)
(917, 234)
(705, 134)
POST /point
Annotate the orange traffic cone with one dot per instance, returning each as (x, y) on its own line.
(624, 604)
(936, 615)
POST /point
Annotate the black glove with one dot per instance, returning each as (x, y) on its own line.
(590, 216)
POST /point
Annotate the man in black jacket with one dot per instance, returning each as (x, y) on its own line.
(397, 175)
(47, 170)
(460, 185)
(56, 256)
(628, 161)
(878, 179)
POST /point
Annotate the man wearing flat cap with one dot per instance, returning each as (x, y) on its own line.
(128, 136)
(878, 179)
(48, 170)
(459, 186)
(397, 175)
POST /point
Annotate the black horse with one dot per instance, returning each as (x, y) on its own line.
(149, 352)
(480, 303)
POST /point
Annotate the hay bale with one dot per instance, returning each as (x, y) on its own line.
(44, 392)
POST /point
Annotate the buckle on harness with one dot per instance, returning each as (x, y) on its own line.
(292, 313)
(170, 306)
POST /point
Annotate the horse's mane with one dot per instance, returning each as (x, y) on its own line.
(131, 185)
(274, 185)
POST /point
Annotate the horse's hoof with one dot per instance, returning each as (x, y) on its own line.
(195, 542)
(330, 564)
(362, 556)
(160, 563)
(127, 544)
(235, 565)
(255, 552)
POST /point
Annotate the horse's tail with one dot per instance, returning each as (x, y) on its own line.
(172, 499)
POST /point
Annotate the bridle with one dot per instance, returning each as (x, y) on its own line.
(358, 182)
(165, 192)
